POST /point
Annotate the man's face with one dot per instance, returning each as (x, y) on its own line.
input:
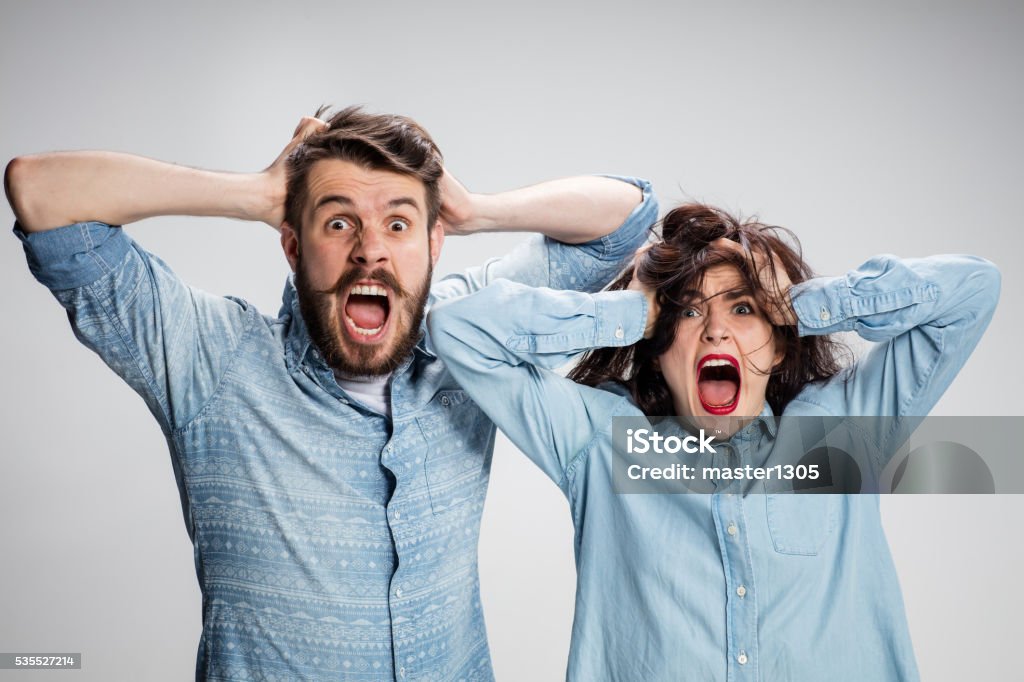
(363, 264)
(718, 365)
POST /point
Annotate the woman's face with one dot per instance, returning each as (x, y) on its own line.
(718, 365)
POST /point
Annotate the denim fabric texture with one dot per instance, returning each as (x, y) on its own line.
(725, 587)
(331, 542)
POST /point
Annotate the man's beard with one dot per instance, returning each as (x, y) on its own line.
(353, 358)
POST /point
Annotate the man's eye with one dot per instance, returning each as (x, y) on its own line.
(691, 312)
(398, 225)
(743, 309)
(339, 224)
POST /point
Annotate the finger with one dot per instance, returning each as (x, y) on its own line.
(307, 126)
(639, 253)
(728, 245)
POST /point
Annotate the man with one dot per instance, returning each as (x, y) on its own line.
(331, 472)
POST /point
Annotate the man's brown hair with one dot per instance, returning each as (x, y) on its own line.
(375, 141)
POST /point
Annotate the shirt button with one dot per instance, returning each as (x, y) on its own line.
(401, 671)
(398, 592)
(825, 315)
(732, 529)
(742, 658)
(397, 515)
(445, 401)
(742, 591)
(619, 333)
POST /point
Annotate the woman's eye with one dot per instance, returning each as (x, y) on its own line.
(743, 309)
(339, 224)
(398, 226)
(691, 312)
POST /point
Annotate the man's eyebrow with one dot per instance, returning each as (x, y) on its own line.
(333, 198)
(403, 201)
(346, 201)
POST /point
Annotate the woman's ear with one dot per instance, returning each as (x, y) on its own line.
(780, 350)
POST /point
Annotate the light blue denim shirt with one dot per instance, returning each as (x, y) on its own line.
(722, 586)
(330, 541)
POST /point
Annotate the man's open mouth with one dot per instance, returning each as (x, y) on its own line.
(367, 310)
(718, 383)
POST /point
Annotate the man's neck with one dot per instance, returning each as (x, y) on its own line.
(372, 391)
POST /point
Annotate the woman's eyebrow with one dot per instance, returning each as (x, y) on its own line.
(734, 294)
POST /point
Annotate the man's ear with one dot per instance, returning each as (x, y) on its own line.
(436, 240)
(290, 244)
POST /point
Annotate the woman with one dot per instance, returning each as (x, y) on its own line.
(721, 324)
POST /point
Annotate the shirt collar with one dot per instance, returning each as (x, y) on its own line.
(764, 423)
(297, 342)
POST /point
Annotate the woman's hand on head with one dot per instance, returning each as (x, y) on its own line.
(652, 300)
(775, 283)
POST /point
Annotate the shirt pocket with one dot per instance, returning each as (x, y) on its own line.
(459, 440)
(800, 523)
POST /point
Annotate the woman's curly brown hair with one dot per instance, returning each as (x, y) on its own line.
(674, 267)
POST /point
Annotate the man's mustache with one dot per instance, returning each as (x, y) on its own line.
(350, 277)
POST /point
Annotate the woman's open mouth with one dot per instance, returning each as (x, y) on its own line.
(718, 383)
(367, 311)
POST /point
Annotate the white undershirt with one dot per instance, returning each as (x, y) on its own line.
(374, 392)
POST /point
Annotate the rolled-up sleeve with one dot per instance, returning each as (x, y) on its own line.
(540, 261)
(171, 343)
(73, 256)
(926, 316)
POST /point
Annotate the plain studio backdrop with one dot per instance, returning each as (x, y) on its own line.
(874, 127)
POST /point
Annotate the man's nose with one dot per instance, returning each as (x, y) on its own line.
(370, 248)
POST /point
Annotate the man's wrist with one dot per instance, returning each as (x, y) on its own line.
(479, 213)
(260, 198)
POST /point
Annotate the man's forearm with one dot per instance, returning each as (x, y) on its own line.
(50, 190)
(571, 210)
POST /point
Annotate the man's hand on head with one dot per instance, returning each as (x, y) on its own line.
(458, 206)
(275, 177)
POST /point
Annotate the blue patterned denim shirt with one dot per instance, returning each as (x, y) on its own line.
(331, 542)
(722, 586)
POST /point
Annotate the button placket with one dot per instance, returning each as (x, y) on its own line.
(741, 607)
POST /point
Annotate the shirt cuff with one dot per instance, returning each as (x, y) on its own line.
(621, 318)
(625, 240)
(820, 305)
(73, 256)
(884, 284)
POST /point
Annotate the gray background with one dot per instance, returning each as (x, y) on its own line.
(872, 127)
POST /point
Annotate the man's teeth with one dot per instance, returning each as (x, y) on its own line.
(717, 363)
(368, 290)
(360, 330)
